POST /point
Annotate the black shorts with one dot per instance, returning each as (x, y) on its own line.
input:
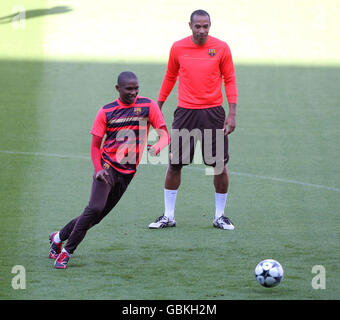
(204, 125)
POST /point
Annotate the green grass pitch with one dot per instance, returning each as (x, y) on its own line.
(284, 194)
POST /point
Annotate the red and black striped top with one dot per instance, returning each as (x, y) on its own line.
(126, 129)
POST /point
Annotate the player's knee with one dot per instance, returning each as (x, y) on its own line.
(94, 210)
(175, 168)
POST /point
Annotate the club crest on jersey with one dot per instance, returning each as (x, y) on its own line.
(137, 111)
(212, 52)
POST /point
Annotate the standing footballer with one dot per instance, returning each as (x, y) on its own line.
(202, 63)
(124, 123)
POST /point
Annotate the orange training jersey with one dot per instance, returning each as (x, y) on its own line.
(201, 71)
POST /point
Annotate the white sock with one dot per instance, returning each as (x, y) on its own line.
(220, 202)
(56, 238)
(170, 203)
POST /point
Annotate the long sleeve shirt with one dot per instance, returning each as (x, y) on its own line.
(201, 70)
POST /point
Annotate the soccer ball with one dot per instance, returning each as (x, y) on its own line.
(269, 273)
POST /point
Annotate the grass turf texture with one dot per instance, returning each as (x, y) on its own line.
(284, 192)
(287, 128)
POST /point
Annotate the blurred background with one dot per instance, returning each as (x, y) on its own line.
(303, 31)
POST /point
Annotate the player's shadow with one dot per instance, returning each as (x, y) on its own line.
(34, 13)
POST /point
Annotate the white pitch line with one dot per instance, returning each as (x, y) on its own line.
(320, 186)
(42, 154)
(250, 175)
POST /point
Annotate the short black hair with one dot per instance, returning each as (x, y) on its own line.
(124, 76)
(199, 13)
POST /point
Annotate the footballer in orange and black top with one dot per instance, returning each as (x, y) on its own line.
(126, 127)
(123, 125)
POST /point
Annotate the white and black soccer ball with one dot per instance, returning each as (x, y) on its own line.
(269, 273)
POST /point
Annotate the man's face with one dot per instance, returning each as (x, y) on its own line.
(200, 26)
(128, 90)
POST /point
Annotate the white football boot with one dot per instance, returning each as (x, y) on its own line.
(162, 222)
(224, 223)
